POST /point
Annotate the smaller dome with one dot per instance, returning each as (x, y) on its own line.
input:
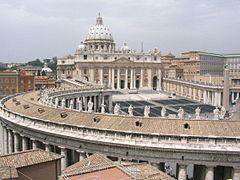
(46, 68)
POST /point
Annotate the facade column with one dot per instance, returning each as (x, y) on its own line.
(10, 141)
(159, 84)
(64, 159)
(182, 173)
(126, 79)
(149, 78)
(109, 77)
(118, 78)
(209, 173)
(236, 173)
(113, 77)
(141, 78)
(131, 79)
(204, 96)
(5, 140)
(24, 143)
(16, 142)
(101, 76)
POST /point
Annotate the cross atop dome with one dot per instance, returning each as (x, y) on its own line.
(99, 20)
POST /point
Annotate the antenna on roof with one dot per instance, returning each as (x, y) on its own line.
(141, 46)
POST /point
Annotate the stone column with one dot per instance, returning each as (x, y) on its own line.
(209, 173)
(63, 103)
(204, 96)
(10, 141)
(110, 104)
(190, 92)
(232, 96)
(64, 158)
(213, 98)
(236, 173)
(109, 77)
(24, 143)
(85, 103)
(182, 173)
(95, 103)
(141, 78)
(5, 140)
(208, 97)
(101, 76)
(34, 144)
(48, 147)
(82, 155)
(194, 93)
(118, 78)
(182, 90)
(126, 79)
(113, 78)
(16, 142)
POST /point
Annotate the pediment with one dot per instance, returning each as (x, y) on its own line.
(122, 60)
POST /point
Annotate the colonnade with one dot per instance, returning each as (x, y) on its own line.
(201, 94)
(14, 141)
(81, 102)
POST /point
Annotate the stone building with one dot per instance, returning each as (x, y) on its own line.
(97, 60)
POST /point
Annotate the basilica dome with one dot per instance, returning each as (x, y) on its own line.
(99, 31)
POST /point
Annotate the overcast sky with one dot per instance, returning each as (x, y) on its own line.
(31, 29)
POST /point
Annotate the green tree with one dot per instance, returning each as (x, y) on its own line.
(36, 62)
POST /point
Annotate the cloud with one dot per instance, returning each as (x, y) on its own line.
(33, 29)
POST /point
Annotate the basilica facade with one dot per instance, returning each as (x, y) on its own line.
(97, 60)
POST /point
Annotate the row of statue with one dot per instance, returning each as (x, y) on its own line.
(217, 114)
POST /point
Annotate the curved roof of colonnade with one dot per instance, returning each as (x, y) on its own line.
(219, 128)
